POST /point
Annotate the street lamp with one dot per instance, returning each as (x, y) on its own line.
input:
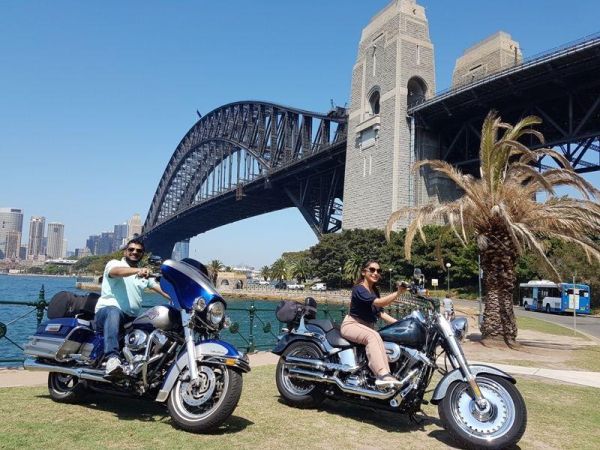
(390, 269)
(448, 265)
(340, 278)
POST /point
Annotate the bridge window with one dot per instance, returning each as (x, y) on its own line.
(374, 103)
(417, 91)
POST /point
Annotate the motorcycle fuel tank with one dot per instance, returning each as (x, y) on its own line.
(161, 317)
(408, 332)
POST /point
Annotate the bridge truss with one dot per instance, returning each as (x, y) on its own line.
(250, 158)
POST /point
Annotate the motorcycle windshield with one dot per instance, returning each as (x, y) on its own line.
(185, 283)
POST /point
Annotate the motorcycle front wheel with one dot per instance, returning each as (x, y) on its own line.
(501, 425)
(206, 405)
(295, 392)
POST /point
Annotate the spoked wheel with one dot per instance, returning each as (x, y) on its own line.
(296, 392)
(501, 424)
(65, 388)
(207, 404)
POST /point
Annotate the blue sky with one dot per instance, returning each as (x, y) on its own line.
(95, 96)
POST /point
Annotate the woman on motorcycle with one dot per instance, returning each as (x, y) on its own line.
(366, 306)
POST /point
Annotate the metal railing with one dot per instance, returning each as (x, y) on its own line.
(258, 332)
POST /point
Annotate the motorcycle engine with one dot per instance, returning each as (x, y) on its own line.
(136, 340)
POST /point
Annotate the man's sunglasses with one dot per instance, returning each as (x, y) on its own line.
(373, 270)
(135, 250)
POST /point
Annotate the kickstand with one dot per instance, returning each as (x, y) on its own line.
(417, 420)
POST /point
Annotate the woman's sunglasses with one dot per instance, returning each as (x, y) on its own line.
(374, 269)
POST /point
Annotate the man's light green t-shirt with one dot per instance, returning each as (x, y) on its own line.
(126, 292)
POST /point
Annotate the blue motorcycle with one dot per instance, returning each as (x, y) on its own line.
(172, 353)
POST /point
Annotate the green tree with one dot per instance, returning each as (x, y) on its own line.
(301, 269)
(500, 212)
(265, 272)
(279, 269)
(213, 269)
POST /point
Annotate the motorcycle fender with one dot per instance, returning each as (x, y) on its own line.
(286, 340)
(440, 390)
(212, 351)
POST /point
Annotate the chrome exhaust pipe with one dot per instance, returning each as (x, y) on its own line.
(317, 364)
(79, 372)
(321, 377)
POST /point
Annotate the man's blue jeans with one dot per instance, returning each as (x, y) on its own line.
(109, 321)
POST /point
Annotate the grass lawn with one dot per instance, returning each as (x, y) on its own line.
(560, 416)
(528, 323)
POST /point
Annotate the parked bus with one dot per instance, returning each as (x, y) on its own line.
(544, 295)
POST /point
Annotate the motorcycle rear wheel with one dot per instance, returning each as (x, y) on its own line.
(191, 411)
(65, 388)
(299, 393)
(502, 426)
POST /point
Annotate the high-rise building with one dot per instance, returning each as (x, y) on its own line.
(11, 219)
(36, 237)
(120, 232)
(134, 226)
(82, 252)
(23, 252)
(55, 236)
(13, 244)
(92, 244)
(181, 250)
(64, 249)
(105, 243)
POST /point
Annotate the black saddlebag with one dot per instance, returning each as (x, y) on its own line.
(67, 304)
(289, 311)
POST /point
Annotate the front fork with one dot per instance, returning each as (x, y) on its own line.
(190, 346)
(460, 359)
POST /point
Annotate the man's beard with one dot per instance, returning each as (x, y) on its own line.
(131, 262)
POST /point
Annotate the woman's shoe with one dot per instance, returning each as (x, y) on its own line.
(387, 380)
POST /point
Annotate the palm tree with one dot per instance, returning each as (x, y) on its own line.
(301, 269)
(265, 272)
(500, 211)
(352, 267)
(279, 269)
(213, 268)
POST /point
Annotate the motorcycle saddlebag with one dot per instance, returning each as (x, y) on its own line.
(288, 311)
(67, 304)
(61, 339)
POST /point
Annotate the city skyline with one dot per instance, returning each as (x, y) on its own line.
(113, 97)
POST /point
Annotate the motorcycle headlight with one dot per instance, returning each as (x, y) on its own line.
(215, 313)
(460, 326)
(199, 304)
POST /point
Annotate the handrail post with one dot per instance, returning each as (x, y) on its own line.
(252, 314)
(40, 305)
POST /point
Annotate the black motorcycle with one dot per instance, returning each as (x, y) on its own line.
(479, 405)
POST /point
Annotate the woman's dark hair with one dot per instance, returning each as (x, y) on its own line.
(361, 278)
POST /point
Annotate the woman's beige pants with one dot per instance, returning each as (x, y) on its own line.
(361, 332)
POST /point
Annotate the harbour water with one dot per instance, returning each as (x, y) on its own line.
(21, 321)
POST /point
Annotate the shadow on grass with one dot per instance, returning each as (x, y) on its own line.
(389, 421)
(144, 410)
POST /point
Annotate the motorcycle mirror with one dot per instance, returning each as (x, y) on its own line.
(417, 273)
(155, 260)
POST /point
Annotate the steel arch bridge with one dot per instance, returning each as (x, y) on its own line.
(247, 158)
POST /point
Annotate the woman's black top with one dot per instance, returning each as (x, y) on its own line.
(361, 304)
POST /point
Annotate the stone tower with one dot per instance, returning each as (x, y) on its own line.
(394, 69)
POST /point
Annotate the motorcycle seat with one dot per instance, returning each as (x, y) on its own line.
(336, 340)
(324, 324)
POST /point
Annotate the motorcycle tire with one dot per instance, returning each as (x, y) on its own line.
(501, 427)
(298, 393)
(65, 388)
(186, 416)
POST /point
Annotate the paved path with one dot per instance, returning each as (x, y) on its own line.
(17, 377)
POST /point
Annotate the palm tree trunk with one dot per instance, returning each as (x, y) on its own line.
(498, 264)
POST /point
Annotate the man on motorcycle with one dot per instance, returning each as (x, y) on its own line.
(123, 284)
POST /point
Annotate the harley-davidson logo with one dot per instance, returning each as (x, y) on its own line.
(152, 314)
